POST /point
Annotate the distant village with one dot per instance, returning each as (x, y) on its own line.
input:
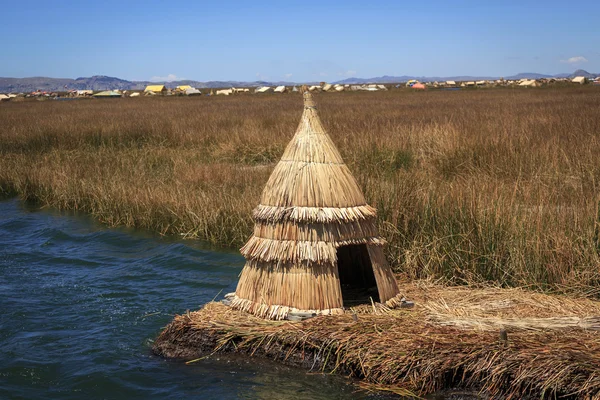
(187, 90)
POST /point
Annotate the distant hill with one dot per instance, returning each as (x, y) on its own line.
(101, 82)
(406, 78)
(533, 75)
(528, 75)
(582, 72)
(61, 84)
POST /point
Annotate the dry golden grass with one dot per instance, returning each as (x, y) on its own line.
(484, 185)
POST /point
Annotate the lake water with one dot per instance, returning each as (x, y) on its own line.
(81, 303)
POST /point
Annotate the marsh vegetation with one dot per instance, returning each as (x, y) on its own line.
(471, 186)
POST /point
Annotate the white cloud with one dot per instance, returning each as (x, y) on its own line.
(322, 73)
(348, 74)
(288, 75)
(575, 60)
(168, 78)
(261, 77)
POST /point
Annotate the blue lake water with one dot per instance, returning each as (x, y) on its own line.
(81, 303)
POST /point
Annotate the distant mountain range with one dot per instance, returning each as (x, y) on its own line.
(522, 75)
(99, 82)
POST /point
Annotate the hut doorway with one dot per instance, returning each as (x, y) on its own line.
(357, 279)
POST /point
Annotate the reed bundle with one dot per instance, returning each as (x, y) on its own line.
(310, 207)
(313, 214)
(412, 353)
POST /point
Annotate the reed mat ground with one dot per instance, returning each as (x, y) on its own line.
(504, 343)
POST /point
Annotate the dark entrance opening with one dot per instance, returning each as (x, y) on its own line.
(356, 275)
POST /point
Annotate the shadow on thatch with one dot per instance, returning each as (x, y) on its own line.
(508, 343)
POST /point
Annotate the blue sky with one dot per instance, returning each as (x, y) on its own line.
(295, 40)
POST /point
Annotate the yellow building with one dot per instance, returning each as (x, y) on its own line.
(157, 89)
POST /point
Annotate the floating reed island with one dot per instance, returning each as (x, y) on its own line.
(317, 292)
(503, 343)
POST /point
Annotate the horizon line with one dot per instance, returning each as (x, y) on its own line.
(307, 81)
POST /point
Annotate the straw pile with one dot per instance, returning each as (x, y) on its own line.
(311, 207)
(554, 350)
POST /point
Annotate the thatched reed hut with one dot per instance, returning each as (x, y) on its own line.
(316, 247)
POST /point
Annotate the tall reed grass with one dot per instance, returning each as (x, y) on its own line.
(472, 186)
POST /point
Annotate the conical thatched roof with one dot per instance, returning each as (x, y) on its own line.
(310, 208)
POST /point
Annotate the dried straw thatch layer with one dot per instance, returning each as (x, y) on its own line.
(315, 288)
(316, 232)
(419, 351)
(297, 251)
(313, 214)
(311, 172)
